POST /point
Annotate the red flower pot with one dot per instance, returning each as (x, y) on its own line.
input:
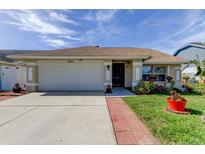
(176, 105)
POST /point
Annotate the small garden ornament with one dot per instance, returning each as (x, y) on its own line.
(108, 89)
(17, 88)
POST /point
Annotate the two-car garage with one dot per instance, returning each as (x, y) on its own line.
(65, 75)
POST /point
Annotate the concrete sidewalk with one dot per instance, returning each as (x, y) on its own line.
(56, 118)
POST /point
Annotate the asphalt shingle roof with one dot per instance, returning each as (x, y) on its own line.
(155, 56)
(5, 53)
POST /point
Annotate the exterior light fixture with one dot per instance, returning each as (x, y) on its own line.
(108, 67)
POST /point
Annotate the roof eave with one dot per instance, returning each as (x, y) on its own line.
(18, 57)
(182, 62)
(193, 45)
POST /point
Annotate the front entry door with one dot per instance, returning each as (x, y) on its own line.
(118, 74)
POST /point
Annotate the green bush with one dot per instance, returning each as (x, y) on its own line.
(169, 78)
(148, 87)
(144, 87)
(199, 88)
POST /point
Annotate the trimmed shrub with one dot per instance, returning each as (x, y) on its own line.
(147, 87)
(199, 88)
(187, 88)
(169, 78)
(161, 89)
(186, 79)
(144, 87)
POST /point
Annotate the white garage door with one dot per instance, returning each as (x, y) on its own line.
(71, 75)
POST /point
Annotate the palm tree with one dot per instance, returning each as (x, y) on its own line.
(200, 67)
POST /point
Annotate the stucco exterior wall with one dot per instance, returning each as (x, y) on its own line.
(34, 74)
(133, 72)
(173, 71)
(32, 80)
(128, 74)
(107, 73)
(136, 72)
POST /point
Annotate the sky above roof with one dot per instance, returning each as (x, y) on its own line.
(164, 30)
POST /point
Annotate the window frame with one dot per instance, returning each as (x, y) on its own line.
(160, 73)
(154, 73)
(147, 66)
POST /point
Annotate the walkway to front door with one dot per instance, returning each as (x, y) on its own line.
(129, 129)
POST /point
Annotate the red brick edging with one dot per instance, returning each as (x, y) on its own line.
(128, 128)
(9, 95)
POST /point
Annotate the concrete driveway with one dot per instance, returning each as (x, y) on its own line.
(56, 118)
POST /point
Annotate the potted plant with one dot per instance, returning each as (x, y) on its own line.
(176, 102)
(17, 88)
(169, 78)
(108, 89)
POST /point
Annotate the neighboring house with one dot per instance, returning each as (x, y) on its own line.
(94, 68)
(10, 71)
(195, 50)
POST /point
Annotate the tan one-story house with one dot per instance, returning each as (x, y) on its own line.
(94, 68)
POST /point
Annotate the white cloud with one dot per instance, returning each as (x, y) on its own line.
(105, 25)
(100, 16)
(32, 21)
(61, 17)
(71, 38)
(197, 37)
(105, 16)
(28, 20)
(191, 20)
(191, 29)
(89, 16)
(55, 42)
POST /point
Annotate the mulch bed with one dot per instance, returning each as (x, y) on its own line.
(4, 95)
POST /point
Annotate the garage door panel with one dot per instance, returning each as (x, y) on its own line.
(79, 75)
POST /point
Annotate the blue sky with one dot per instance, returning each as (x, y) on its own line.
(164, 30)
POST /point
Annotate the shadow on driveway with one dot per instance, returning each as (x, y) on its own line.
(72, 93)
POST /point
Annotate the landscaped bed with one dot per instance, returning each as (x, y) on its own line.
(171, 128)
(8, 94)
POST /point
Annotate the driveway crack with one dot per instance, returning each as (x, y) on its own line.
(20, 115)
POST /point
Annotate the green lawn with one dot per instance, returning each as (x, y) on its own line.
(170, 128)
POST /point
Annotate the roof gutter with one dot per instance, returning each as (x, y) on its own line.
(18, 57)
(182, 62)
